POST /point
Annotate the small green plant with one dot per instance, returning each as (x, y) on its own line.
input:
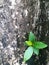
(33, 47)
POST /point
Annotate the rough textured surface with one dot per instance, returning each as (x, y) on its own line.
(17, 18)
(14, 24)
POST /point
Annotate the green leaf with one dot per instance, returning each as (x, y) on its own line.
(31, 37)
(40, 45)
(36, 51)
(28, 53)
(29, 43)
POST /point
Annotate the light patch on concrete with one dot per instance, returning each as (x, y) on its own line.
(26, 12)
(1, 2)
(13, 3)
(18, 1)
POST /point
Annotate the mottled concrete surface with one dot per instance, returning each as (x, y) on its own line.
(14, 25)
(17, 18)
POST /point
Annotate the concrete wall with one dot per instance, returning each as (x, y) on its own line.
(17, 18)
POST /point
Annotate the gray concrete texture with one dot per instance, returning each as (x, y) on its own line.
(17, 17)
